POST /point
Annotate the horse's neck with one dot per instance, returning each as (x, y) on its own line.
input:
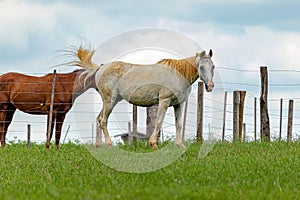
(194, 73)
(82, 85)
(185, 67)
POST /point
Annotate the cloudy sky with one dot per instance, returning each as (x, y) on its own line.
(244, 34)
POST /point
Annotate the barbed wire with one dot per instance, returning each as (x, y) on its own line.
(209, 110)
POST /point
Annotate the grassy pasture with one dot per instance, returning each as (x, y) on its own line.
(229, 171)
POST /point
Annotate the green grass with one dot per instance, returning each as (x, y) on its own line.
(229, 171)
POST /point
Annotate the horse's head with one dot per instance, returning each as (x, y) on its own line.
(205, 68)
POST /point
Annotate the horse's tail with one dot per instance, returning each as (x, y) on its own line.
(83, 58)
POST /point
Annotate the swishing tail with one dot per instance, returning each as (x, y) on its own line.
(83, 58)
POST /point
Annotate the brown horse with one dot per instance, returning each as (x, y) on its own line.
(32, 95)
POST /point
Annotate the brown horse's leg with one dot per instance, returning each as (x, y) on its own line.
(161, 112)
(2, 127)
(48, 139)
(6, 115)
(178, 122)
(59, 122)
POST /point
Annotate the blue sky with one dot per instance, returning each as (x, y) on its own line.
(244, 34)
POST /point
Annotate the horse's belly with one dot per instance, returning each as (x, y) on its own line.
(151, 94)
(32, 104)
(32, 108)
(143, 96)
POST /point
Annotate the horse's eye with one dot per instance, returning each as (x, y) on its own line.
(202, 69)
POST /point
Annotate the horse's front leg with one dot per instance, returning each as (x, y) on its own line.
(59, 123)
(2, 128)
(178, 123)
(6, 115)
(161, 112)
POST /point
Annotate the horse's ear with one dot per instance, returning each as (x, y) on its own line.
(202, 54)
(210, 53)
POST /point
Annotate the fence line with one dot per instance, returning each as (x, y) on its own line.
(275, 113)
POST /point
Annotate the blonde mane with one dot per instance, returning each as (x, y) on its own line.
(186, 67)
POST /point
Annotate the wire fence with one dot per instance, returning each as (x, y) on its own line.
(283, 84)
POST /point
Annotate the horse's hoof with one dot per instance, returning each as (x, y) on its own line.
(153, 145)
(98, 145)
(180, 145)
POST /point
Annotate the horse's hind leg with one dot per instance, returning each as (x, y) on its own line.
(59, 122)
(102, 119)
(50, 129)
(161, 112)
(108, 105)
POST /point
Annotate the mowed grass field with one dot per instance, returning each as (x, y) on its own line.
(229, 171)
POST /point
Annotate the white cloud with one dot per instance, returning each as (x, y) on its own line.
(18, 20)
(229, 1)
(255, 46)
(31, 31)
(23, 23)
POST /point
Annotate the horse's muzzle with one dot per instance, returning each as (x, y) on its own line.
(209, 86)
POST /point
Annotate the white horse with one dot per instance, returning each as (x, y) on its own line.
(166, 83)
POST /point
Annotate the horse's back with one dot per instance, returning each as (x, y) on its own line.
(13, 77)
(142, 85)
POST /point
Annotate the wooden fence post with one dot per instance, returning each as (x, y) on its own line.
(280, 119)
(67, 135)
(264, 115)
(236, 102)
(199, 137)
(130, 136)
(224, 117)
(244, 132)
(134, 119)
(184, 118)
(290, 120)
(254, 119)
(28, 135)
(241, 113)
(92, 133)
(51, 109)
